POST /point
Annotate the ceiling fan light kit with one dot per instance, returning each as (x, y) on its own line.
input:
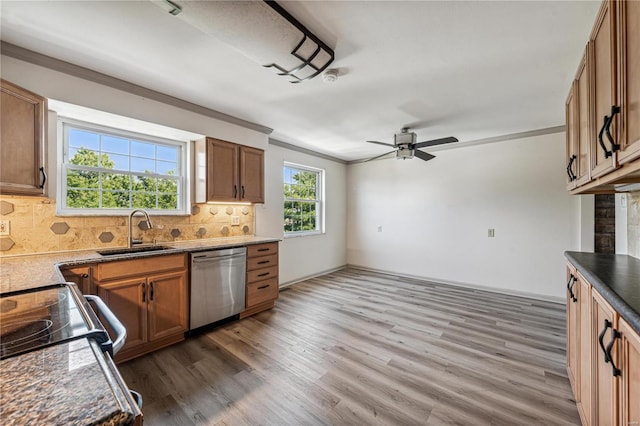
(261, 30)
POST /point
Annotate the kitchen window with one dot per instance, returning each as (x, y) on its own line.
(111, 171)
(303, 200)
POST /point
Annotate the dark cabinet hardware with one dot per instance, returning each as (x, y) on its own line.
(242, 191)
(263, 249)
(264, 274)
(263, 286)
(615, 334)
(262, 262)
(151, 291)
(44, 177)
(614, 146)
(235, 191)
(572, 280)
(572, 175)
(144, 292)
(607, 324)
(85, 276)
(607, 153)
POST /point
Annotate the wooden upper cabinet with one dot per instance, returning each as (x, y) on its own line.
(222, 171)
(578, 134)
(228, 172)
(603, 89)
(628, 120)
(630, 374)
(22, 143)
(251, 175)
(572, 139)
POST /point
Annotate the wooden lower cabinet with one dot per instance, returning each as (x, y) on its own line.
(82, 277)
(605, 384)
(603, 358)
(629, 356)
(262, 278)
(153, 306)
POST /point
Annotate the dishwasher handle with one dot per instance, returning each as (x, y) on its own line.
(205, 258)
(113, 321)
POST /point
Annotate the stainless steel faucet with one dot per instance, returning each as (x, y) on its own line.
(132, 242)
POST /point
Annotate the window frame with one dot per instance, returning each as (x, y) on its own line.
(319, 200)
(184, 153)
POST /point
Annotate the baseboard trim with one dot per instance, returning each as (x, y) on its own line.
(536, 296)
(283, 286)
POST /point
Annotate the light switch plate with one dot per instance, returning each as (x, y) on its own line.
(235, 220)
(4, 227)
(491, 233)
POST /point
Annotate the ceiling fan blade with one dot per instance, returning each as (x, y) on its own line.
(423, 155)
(382, 143)
(435, 142)
(379, 156)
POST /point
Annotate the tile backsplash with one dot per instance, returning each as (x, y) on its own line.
(35, 228)
(633, 224)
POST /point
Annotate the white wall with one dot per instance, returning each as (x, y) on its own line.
(304, 256)
(435, 216)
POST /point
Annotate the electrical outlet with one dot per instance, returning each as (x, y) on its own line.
(380, 228)
(491, 233)
(4, 227)
(235, 220)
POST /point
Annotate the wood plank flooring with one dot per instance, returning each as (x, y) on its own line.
(361, 348)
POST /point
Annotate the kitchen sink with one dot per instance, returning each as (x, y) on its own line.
(130, 250)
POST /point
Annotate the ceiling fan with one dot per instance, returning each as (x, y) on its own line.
(405, 146)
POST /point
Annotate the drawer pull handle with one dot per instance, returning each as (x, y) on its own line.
(264, 274)
(607, 324)
(263, 286)
(262, 262)
(144, 292)
(615, 334)
(263, 249)
(44, 177)
(151, 291)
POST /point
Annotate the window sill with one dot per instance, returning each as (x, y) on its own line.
(303, 234)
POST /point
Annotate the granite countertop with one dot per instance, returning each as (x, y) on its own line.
(71, 383)
(22, 272)
(617, 279)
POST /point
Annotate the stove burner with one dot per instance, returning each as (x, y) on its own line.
(24, 334)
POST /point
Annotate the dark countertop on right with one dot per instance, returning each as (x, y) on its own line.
(617, 279)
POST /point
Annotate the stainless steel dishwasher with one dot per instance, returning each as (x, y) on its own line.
(217, 285)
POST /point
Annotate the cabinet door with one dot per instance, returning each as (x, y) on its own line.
(167, 304)
(630, 368)
(573, 328)
(571, 122)
(602, 74)
(605, 391)
(127, 300)
(585, 339)
(222, 171)
(251, 175)
(22, 141)
(81, 276)
(629, 79)
(583, 135)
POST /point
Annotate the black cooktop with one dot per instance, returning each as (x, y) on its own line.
(33, 319)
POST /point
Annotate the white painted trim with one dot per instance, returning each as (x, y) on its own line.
(510, 137)
(308, 277)
(535, 296)
(311, 152)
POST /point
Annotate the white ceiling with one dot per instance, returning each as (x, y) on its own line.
(469, 69)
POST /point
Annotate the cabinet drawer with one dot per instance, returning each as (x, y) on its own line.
(262, 249)
(262, 291)
(262, 262)
(140, 266)
(262, 274)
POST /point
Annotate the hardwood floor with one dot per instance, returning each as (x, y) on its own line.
(356, 347)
